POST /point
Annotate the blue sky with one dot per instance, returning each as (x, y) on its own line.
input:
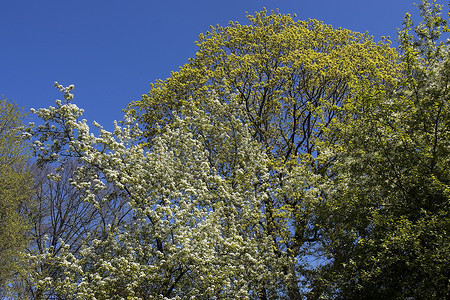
(112, 50)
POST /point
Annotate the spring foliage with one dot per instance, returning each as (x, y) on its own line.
(290, 77)
(388, 233)
(15, 181)
(281, 142)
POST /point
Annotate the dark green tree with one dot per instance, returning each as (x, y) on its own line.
(387, 220)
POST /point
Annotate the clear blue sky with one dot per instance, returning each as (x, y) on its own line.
(112, 50)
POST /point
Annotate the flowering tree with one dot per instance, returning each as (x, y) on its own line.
(196, 227)
(59, 213)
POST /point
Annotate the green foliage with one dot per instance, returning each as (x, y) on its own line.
(390, 211)
(290, 76)
(15, 183)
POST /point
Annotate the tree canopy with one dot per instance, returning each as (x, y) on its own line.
(289, 74)
(15, 182)
(287, 160)
(388, 233)
(291, 77)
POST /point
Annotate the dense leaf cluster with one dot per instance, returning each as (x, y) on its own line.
(15, 182)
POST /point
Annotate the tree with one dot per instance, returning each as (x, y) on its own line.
(195, 233)
(59, 213)
(290, 76)
(388, 212)
(283, 70)
(15, 183)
